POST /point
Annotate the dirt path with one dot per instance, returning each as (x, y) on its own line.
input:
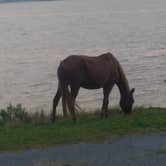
(148, 150)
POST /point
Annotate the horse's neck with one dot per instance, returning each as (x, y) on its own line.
(123, 84)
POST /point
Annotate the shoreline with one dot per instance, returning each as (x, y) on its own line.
(39, 132)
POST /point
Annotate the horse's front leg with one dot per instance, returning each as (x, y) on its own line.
(106, 92)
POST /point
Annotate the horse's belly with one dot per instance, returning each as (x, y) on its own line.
(90, 85)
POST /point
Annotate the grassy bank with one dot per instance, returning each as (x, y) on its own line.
(36, 131)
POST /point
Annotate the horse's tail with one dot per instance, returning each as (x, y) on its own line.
(66, 95)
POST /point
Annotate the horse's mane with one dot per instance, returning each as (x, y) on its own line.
(123, 82)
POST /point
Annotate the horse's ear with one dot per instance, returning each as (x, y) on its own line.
(132, 90)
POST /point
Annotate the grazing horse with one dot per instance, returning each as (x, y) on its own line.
(91, 73)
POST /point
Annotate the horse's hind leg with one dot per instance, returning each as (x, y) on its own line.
(65, 98)
(55, 103)
(106, 92)
(65, 115)
(68, 99)
(74, 93)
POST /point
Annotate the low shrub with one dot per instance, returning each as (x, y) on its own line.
(18, 114)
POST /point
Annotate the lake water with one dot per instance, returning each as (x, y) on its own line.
(35, 36)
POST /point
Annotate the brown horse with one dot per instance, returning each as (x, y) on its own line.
(91, 73)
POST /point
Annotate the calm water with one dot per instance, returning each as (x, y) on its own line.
(35, 36)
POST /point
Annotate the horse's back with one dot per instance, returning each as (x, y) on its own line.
(88, 70)
(75, 61)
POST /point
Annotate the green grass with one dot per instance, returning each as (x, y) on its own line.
(89, 128)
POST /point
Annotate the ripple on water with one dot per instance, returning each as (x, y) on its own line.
(33, 41)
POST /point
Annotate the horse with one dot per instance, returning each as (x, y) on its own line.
(103, 71)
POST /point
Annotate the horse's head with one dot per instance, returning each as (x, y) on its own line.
(126, 102)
